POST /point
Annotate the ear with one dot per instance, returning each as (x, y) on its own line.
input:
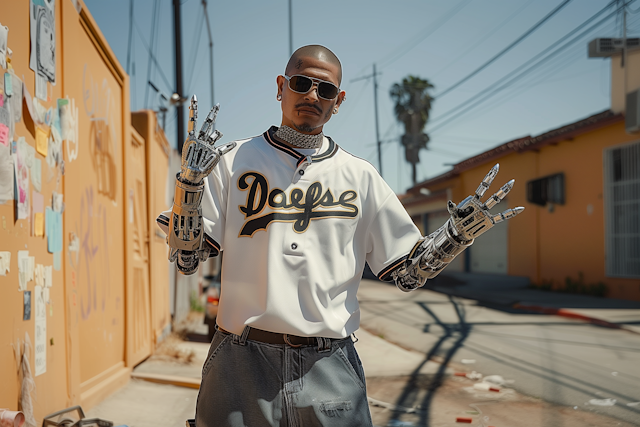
(280, 81)
(342, 96)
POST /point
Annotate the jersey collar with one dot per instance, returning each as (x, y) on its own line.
(329, 152)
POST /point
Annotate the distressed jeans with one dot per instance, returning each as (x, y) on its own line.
(246, 383)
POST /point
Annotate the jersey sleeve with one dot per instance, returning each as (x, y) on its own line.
(390, 237)
(214, 205)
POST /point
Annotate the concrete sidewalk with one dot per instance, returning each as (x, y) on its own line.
(514, 292)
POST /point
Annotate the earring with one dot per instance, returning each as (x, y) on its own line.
(335, 111)
(279, 97)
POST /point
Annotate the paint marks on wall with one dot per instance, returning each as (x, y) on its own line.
(94, 282)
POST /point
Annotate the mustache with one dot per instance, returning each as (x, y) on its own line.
(315, 107)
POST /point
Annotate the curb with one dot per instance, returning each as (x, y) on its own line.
(168, 379)
(571, 315)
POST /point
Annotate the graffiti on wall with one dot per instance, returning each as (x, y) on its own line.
(99, 105)
(93, 266)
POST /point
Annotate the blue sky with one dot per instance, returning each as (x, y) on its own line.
(442, 41)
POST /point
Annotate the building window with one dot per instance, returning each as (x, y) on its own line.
(549, 189)
(622, 210)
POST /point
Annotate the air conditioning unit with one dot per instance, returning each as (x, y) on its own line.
(632, 112)
(605, 47)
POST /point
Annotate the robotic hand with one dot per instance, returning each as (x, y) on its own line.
(199, 157)
(469, 219)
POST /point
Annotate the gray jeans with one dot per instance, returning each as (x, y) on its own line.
(253, 384)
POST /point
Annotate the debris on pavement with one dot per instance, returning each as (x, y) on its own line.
(602, 402)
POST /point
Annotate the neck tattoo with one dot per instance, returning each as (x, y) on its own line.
(299, 140)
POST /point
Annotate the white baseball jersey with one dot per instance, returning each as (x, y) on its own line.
(296, 231)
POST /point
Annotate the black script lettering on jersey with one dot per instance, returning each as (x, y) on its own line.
(301, 207)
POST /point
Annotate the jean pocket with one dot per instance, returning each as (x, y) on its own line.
(355, 371)
(216, 344)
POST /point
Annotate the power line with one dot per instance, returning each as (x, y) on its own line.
(506, 49)
(396, 54)
(503, 84)
(194, 47)
(153, 57)
(154, 22)
(494, 29)
(130, 34)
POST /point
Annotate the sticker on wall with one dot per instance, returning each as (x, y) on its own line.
(69, 125)
(4, 36)
(53, 228)
(26, 304)
(39, 275)
(5, 262)
(42, 140)
(74, 251)
(22, 181)
(16, 98)
(48, 276)
(37, 209)
(26, 267)
(6, 174)
(43, 38)
(40, 344)
(36, 174)
(41, 87)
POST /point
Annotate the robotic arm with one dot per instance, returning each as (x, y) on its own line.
(199, 157)
(469, 219)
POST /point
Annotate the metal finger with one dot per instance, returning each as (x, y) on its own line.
(486, 182)
(509, 213)
(499, 195)
(208, 122)
(451, 207)
(193, 114)
(224, 149)
(214, 137)
(212, 126)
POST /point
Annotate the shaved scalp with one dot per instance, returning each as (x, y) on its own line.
(314, 51)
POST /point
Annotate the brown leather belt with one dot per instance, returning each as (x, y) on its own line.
(275, 338)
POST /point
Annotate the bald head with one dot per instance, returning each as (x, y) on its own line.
(296, 62)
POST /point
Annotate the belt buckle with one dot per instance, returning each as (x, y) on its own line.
(286, 339)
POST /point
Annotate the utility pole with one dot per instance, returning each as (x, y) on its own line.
(177, 28)
(206, 16)
(375, 103)
(290, 30)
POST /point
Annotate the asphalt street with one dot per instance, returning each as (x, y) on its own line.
(559, 360)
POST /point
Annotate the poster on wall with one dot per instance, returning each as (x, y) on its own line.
(43, 39)
(21, 169)
(41, 331)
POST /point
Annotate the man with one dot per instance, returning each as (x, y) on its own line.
(297, 217)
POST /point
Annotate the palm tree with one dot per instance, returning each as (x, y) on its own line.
(412, 106)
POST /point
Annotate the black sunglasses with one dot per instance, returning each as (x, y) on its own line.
(303, 84)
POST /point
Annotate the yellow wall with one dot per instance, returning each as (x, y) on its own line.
(95, 333)
(552, 245)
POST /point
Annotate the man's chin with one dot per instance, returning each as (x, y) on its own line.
(305, 127)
